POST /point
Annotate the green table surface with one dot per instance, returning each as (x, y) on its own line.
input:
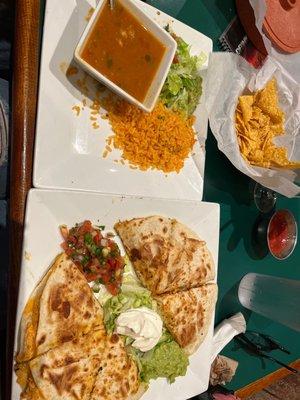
(225, 185)
(232, 190)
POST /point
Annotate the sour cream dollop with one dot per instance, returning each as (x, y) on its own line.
(141, 324)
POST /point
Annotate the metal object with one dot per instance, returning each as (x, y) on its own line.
(255, 349)
(265, 342)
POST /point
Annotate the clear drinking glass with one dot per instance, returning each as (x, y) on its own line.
(273, 297)
(264, 198)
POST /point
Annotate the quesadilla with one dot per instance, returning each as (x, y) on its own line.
(188, 314)
(61, 308)
(166, 255)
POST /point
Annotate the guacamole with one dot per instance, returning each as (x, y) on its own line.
(166, 360)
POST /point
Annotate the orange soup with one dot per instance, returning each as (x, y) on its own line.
(123, 50)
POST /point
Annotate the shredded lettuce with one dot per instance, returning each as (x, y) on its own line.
(183, 87)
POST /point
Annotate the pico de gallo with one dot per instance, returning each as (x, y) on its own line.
(282, 234)
(278, 234)
(95, 254)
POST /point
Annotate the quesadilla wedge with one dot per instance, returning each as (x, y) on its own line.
(92, 367)
(166, 255)
(188, 314)
(118, 377)
(61, 308)
(69, 371)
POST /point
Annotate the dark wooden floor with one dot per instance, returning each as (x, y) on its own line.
(287, 388)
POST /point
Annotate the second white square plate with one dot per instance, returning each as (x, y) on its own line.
(68, 150)
(47, 209)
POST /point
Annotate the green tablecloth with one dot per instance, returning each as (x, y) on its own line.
(225, 185)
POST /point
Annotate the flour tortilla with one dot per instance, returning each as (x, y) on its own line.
(166, 255)
(188, 314)
(29, 322)
(69, 371)
(118, 377)
(92, 367)
(60, 309)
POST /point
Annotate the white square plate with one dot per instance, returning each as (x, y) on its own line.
(47, 209)
(68, 150)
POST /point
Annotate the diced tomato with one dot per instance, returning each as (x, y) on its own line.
(112, 262)
(97, 238)
(72, 239)
(120, 262)
(86, 227)
(111, 244)
(64, 246)
(90, 277)
(95, 263)
(112, 289)
(69, 252)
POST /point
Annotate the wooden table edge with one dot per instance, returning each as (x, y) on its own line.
(256, 386)
(26, 50)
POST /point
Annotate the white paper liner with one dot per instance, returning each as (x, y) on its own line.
(229, 76)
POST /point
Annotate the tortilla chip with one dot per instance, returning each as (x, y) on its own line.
(246, 103)
(258, 119)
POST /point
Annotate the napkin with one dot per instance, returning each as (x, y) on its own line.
(229, 75)
(226, 331)
(222, 370)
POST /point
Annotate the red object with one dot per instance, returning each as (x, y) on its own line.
(278, 234)
(282, 24)
(97, 262)
(246, 15)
